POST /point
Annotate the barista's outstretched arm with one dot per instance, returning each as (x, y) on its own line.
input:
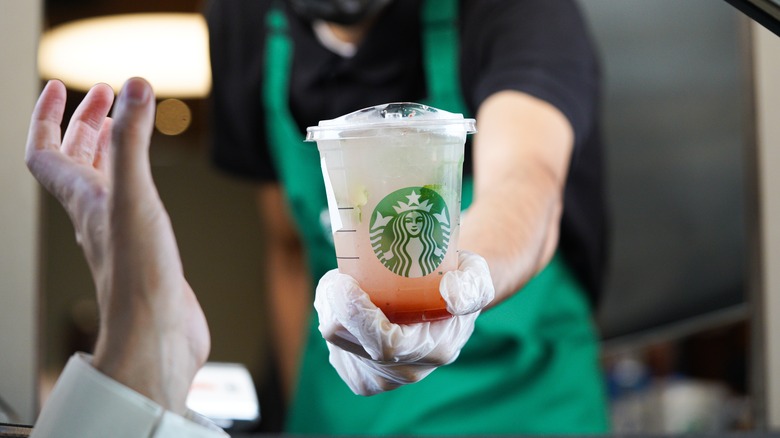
(521, 158)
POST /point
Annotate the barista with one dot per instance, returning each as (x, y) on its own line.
(527, 70)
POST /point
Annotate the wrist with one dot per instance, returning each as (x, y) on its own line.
(160, 373)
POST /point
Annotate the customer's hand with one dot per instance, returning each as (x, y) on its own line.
(153, 335)
(373, 355)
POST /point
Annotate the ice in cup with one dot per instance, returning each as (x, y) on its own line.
(393, 177)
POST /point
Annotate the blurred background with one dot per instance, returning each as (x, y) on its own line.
(676, 320)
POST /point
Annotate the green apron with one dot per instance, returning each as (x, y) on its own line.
(531, 365)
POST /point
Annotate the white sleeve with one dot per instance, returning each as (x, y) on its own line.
(87, 403)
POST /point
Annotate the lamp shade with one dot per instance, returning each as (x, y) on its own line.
(170, 50)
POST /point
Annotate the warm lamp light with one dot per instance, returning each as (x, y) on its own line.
(170, 50)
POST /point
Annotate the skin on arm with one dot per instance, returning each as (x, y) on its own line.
(289, 285)
(153, 335)
(521, 159)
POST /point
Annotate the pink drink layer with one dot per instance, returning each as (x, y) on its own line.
(403, 300)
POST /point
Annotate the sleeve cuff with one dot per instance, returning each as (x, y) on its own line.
(87, 403)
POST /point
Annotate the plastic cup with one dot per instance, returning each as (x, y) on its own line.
(393, 176)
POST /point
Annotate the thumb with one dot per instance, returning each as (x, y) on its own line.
(470, 287)
(132, 131)
(139, 223)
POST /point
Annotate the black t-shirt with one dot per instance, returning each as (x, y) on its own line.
(540, 47)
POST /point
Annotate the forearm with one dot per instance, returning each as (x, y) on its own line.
(290, 301)
(288, 285)
(522, 151)
(516, 240)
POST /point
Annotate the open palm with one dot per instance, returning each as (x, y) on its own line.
(153, 334)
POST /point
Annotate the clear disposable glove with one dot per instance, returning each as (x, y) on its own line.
(373, 355)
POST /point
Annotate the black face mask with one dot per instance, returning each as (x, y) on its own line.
(338, 11)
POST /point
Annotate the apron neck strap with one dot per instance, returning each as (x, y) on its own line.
(440, 57)
(281, 127)
(441, 53)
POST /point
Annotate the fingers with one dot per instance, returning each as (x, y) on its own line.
(347, 316)
(329, 290)
(469, 288)
(367, 378)
(102, 160)
(349, 320)
(81, 138)
(371, 354)
(52, 169)
(55, 163)
(45, 130)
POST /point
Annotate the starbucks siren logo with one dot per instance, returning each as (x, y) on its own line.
(410, 231)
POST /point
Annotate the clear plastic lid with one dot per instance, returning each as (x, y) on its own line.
(377, 120)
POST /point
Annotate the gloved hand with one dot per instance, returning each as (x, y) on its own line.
(373, 355)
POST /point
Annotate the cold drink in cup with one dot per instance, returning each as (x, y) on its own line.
(393, 177)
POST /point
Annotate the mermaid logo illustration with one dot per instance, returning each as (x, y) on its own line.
(410, 231)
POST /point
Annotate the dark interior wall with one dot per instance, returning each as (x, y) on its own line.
(676, 124)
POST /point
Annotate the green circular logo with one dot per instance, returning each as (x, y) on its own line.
(410, 231)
